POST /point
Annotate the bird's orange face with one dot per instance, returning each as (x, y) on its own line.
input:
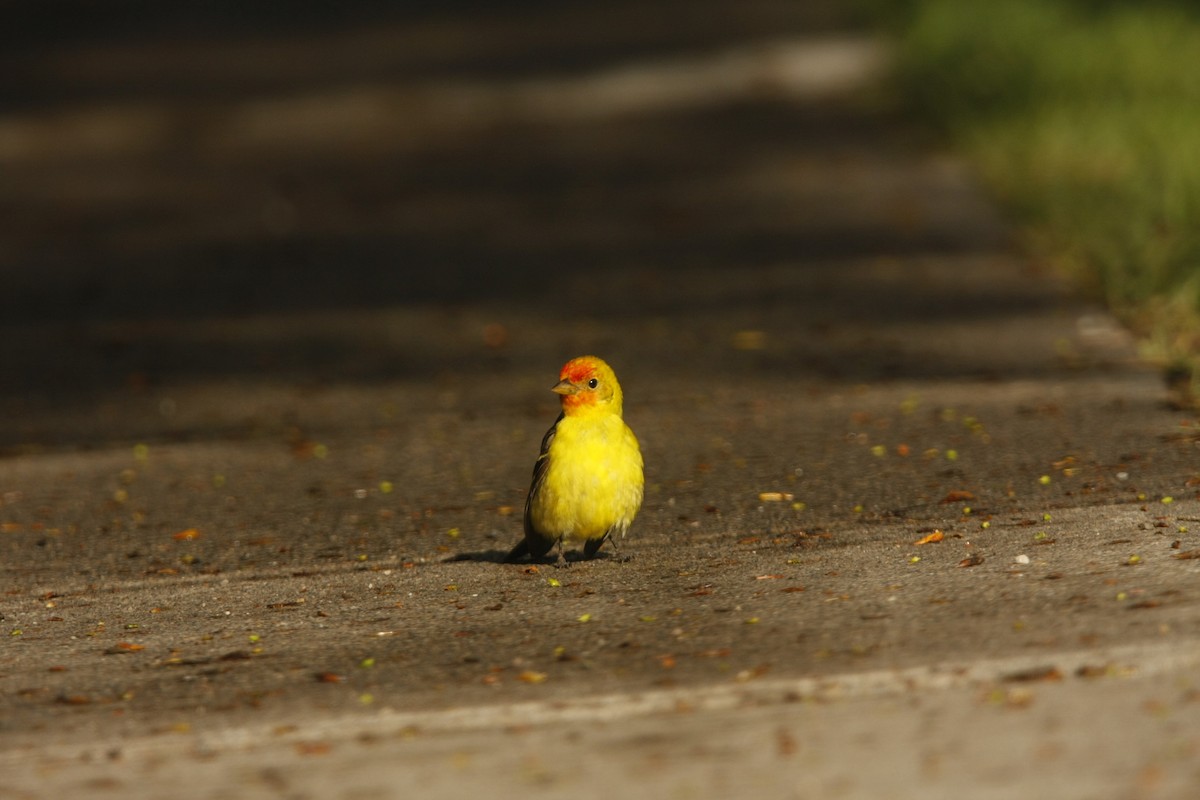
(587, 383)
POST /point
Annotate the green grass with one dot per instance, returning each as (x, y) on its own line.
(1083, 116)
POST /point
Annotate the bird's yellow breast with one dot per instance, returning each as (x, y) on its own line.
(593, 480)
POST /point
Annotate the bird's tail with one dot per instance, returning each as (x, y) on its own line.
(533, 545)
(518, 552)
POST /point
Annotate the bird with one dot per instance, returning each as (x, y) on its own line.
(587, 480)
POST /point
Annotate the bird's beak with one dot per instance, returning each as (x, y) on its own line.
(564, 387)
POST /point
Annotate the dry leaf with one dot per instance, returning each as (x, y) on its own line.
(313, 748)
(1035, 674)
(931, 538)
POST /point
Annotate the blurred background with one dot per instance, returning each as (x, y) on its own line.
(194, 192)
(197, 159)
(1083, 118)
(220, 195)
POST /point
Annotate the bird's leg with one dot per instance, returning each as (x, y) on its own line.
(592, 547)
(617, 554)
(562, 556)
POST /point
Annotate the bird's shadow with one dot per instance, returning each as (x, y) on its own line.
(501, 557)
(487, 556)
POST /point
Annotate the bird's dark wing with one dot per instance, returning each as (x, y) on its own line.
(536, 544)
(539, 466)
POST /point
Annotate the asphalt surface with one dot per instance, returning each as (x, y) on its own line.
(284, 299)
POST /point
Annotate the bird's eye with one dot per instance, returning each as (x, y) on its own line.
(593, 383)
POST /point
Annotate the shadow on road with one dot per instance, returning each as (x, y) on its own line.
(220, 197)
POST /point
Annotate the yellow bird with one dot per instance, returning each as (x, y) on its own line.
(587, 482)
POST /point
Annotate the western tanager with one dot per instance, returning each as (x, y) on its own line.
(587, 482)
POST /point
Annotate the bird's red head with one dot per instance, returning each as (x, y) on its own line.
(587, 383)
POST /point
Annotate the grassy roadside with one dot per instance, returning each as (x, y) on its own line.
(1083, 116)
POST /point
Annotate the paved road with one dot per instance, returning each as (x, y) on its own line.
(284, 301)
